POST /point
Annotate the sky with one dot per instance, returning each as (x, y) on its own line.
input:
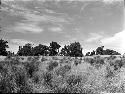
(93, 23)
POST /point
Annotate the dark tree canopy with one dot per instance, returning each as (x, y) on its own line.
(3, 46)
(100, 51)
(73, 50)
(54, 48)
(26, 50)
(88, 54)
(40, 50)
(65, 51)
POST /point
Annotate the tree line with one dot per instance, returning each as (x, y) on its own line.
(73, 50)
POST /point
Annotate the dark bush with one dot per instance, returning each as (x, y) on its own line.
(74, 80)
(31, 68)
(47, 77)
(52, 65)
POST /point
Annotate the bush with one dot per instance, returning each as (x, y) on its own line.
(31, 68)
(47, 77)
(52, 65)
(13, 79)
(62, 70)
(29, 58)
(116, 63)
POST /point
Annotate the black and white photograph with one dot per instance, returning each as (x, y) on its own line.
(62, 46)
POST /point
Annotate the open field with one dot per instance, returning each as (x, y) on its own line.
(56, 74)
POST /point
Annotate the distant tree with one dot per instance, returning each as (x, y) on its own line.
(111, 52)
(3, 46)
(54, 48)
(40, 50)
(88, 54)
(65, 51)
(73, 50)
(99, 50)
(26, 50)
(93, 53)
(9, 53)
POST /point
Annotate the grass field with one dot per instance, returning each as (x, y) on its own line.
(56, 74)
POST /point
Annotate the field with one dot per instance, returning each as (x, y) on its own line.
(56, 74)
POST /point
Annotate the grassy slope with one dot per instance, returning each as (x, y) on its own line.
(65, 74)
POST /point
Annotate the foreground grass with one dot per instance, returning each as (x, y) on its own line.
(62, 75)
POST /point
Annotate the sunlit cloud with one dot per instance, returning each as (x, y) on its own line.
(55, 29)
(27, 28)
(15, 43)
(117, 42)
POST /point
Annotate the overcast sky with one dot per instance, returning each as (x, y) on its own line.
(93, 23)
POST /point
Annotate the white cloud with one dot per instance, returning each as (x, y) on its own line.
(55, 29)
(15, 43)
(117, 42)
(13, 47)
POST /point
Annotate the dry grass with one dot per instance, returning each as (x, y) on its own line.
(62, 75)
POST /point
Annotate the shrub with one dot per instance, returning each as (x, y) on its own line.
(13, 79)
(62, 70)
(116, 63)
(76, 62)
(43, 59)
(112, 57)
(47, 77)
(21, 78)
(29, 58)
(31, 68)
(36, 79)
(52, 65)
(74, 80)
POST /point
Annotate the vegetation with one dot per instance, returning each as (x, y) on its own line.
(3, 46)
(66, 75)
(101, 51)
(72, 50)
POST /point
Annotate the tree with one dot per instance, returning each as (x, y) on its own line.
(65, 51)
(40, 50)
(73, 50)
(88, 54)
(99, 50)
(92, 53)
(111, 52)
(9, 53)
(54, 48)
(3, 46)
(26, 50)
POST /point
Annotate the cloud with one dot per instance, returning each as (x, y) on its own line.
(117, 42)
(111, 1)
(93, 37)
(27, 28)
(15, 43)
(55, 29)
(20, 42)
(13, 47)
